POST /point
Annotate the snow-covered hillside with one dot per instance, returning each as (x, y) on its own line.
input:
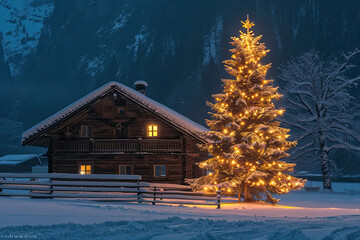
(20, 28)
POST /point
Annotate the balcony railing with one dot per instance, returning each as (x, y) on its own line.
(118, 145)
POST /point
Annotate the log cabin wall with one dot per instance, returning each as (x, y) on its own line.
(117, 135)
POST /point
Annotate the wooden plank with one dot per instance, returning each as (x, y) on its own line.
(2, 181)
(83, 195)
(169, 185)
(72, 176)
(99, 184)
(165, 196)
(100, 189)
(25, 175)
(180, 202)
(182, 193)
(22, 187)
(12, 194)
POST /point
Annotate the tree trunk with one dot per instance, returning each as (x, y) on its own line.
(239, 195)
(247, 195)
(325, 165)
(270, 199)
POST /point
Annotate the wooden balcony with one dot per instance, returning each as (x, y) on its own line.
(118, 145)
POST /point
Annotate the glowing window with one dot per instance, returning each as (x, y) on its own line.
(85, 169)
(152, 131)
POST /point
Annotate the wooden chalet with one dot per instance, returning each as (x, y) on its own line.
(119, 130)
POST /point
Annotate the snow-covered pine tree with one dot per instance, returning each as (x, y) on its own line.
(246, 142)
(322, 111)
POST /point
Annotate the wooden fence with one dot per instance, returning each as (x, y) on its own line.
(101, 187)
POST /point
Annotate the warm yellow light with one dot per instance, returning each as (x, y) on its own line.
(233, 162)
(262, 99)
(265, 82)
(281, 111)
(242, 123)
(152, 131)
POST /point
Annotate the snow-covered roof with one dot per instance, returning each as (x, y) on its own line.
(16, 159)
(180, 121)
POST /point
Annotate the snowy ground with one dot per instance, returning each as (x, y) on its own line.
(301, 215)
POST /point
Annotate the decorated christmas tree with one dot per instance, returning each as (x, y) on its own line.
(246, 141)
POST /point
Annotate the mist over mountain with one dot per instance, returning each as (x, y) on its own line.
(54, 52)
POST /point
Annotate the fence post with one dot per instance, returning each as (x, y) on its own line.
(161, 192)
(138, 191)
(218, 198)
(51, 188)
(153, 203)
(1, 183)
(31, 191)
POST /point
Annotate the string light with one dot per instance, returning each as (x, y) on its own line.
(253, 110)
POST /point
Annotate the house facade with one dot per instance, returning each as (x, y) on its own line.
(118, 130)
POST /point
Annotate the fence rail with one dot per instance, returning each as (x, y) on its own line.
(101, 187)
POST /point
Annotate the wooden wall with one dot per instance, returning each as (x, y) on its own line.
(107, 122)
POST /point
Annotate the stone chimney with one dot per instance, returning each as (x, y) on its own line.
(140, 86)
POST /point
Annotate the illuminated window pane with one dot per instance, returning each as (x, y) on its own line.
(152, 131)
(85, 169)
